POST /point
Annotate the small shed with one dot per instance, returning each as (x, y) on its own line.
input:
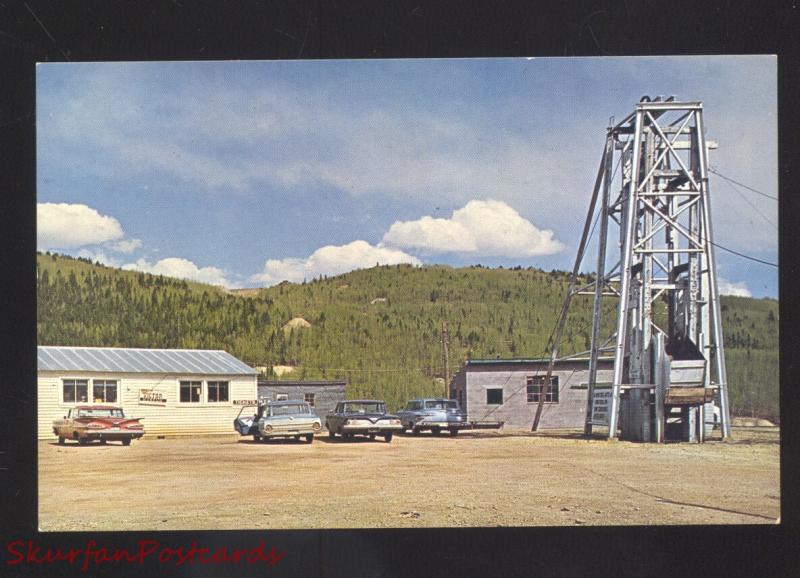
(175, 391)
(321, 395)
(508, 390)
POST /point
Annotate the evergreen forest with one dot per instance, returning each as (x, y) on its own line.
(380, 329)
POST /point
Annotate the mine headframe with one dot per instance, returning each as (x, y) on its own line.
(656, 269)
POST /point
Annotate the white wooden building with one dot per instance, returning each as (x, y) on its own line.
(176, 391)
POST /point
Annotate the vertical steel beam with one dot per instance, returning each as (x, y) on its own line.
(646, 312)
(661, 371)
(599, 285)
(713, 295)
(623, 309)
(570, 291)
(694, 329)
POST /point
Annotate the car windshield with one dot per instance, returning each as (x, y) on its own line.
(288, 409)
(99, 413)
(441, 404)
(364, 407)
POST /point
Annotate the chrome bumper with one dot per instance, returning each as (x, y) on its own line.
(289, 431)
(371, 428)
(441, 424)
(111, 436)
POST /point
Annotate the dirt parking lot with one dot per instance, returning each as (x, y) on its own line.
(476, 479)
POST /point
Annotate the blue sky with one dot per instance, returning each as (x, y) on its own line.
(248, 173)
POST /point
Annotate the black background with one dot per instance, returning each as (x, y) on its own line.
(91, 30)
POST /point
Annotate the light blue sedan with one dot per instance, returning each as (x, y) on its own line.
(280, 419)
(434, 415)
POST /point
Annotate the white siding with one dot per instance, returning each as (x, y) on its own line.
(173, 418)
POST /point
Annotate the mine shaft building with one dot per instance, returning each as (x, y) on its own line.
(508, 390)
(177, 391)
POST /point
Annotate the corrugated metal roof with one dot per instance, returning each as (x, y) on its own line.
(123, 360)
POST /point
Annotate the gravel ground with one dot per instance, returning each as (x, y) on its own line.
(476, 479)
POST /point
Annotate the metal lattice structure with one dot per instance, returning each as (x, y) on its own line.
(667, 343)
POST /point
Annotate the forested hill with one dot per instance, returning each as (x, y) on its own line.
(379, 328)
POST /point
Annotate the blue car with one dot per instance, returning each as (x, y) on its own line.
(434, 415)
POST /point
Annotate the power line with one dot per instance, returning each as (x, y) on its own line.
(719, 174)
(354, 370)
(718, 246)
(752, 206)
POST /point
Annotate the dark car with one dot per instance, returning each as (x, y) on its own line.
(434, 415)
(365, 417)
(103, 423)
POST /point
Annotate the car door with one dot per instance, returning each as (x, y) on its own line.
(246, 423)
(333, 419)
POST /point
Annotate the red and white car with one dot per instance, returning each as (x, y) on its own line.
(85, 423)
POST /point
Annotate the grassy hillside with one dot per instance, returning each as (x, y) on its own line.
(379, 328)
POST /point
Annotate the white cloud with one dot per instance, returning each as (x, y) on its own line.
(726, 287)
(429, 234)
(126, 245)
(484, 228)
(182, 269)
(293, 138)
(65, 226)
(331, 260)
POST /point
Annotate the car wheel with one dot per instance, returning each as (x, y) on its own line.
(309, 438)
(126, 442)
(61, 440)
(453, 431)
(388, 437)
(436, 431)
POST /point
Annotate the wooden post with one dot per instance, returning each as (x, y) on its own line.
(446, 355)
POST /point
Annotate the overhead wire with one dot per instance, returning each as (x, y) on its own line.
(752, 206)
(738, 254)
(732, 184)
(719, 174)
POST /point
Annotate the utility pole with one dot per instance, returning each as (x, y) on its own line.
(446, 358)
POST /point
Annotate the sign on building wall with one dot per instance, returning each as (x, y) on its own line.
(245, 402)
(150, 397)
(601, 404)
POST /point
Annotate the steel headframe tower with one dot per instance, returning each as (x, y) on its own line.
(662, 272)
